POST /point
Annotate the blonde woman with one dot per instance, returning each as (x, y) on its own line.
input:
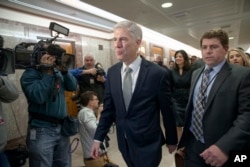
(237, 56)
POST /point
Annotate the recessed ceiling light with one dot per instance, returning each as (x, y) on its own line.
(166, 5)
(231, 38)
(248, 50)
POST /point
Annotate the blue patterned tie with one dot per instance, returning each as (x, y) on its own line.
(200, 105)
(127, 87)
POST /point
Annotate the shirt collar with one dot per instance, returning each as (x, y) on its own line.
(134, 65)
(218, 67)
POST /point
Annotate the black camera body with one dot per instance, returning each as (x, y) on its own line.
(43, 47)
(7, 61)
(29, 54)
(100, 71)
(28, 57)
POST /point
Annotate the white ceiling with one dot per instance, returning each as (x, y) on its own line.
(185, 21)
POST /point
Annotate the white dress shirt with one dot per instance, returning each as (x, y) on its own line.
(135, 66)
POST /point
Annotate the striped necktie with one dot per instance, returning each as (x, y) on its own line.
(200, 105)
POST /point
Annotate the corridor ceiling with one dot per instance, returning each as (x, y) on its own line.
(185, 21)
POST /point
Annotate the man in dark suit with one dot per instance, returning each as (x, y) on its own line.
(139, 133)
(225, 124)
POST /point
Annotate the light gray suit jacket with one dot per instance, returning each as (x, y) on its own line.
(8, 93)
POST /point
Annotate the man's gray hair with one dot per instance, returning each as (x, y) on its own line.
(89, 54)
(134, 30)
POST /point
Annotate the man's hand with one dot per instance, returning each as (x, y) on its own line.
(99, 111)
(171, 148)
(91, 71)
(48, 59)
(62, 68)
(100, 78)
(95, 150)
(214, 156)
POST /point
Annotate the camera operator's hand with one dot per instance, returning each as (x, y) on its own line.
(62, 68)
(91, 71)
(47, 61)
(100, 78)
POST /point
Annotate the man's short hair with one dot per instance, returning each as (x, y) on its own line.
(85, 97)
(134, 29)
(221, 35)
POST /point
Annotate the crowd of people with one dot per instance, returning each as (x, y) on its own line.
(199, 104)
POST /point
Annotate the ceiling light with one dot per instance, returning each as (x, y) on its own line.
(166, 5)
(231, 38)
(248, 50)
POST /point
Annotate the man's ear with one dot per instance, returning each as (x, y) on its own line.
(138, 41)
(226, 48)
(90, 102)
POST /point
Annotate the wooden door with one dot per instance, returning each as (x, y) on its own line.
(71, 105)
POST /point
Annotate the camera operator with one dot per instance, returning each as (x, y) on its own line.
(89, 77)
(8, 93)
(44, 86)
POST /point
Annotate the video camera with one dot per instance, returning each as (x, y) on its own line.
(100, 71)
(6, 59)
(29, 54)
(7, 62)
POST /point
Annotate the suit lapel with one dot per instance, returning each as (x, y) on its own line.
(116, 84)
(221, 76)
(194, 81)
(141, 77)
(140, 80)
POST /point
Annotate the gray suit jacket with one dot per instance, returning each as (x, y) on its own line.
(8, 93)
(226, 122)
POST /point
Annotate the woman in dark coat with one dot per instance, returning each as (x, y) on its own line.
(180, 80)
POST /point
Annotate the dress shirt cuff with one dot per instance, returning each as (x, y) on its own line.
(97, 141)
